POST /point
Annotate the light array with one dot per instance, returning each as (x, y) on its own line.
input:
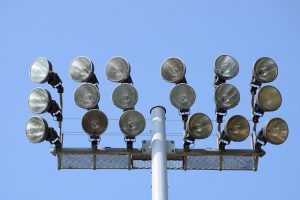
(182, 96)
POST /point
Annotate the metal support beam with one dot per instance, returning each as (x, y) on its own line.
(159, 154)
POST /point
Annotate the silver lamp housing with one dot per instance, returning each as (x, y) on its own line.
(268, 99)
(125, 96)
(275, 131)
(81, 69)
(39, 100)
(132, 123)
(236, 129)
(40, 70)
(173, 70)
(227, 96)
(117, 69)
(36, 129)
(199, 126)
(182, 96)
(265, 70)
(94, 122)
(87, 96)
(226, 67)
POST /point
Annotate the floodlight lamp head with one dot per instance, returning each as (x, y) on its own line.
(182, 96)
(265, 70)
(40, 101)
(118, 70)
(125, 96)
(275, 131)
(132, 123)
(226, 67)
(267, 99)
(94, 122)
(199, 126)
(173, 70)
(236, 129)
(87, 96)
(227, 96)
(82, 70)
(41, 72)
(37, 131)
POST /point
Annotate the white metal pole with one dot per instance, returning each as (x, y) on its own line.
(159, 154)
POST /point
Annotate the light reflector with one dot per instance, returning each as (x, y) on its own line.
(40, 70)
(275, 131)
(268, 98)
(173, 70)
(125, 96)
(265, 70)
(81, 69)
(227, 96)
(226, 67)
(182, 96)
(36, 129)
(236, 128)
(39, 100)
(132, 123)
(94, 122)
(117, 69)
(199, 126)
(87, 96)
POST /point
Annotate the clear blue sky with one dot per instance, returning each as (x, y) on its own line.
(146, 33)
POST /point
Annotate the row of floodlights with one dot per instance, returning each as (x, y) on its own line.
(182, 96)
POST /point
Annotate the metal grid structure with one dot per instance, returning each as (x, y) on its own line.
(195, 159)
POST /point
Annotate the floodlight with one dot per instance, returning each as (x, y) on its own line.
(37, 130)
(265, 70)
(199, 126)
(40, 101)
(118, 70)
(227, 96)
(125, 96)
(82, 70)
(182, 96)
(173, 70)
(132, 123)
(226, 67)
(275, 131)
(41, 72)
(236, 129)
(94, 122)
(87, 96)
(268, 99)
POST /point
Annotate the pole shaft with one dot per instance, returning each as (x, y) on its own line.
(159, 154)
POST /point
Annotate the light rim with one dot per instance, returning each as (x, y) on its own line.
(266, 127)
(184, 70)
(49, 99)
(254, 69)
(135, 92)
(96, 102)
(91, 72)
(259, 103)
(45, 128)
(233, 105)
(50, 70)
(119, 80)
(226, 77)
(189, 125)
(124, 131)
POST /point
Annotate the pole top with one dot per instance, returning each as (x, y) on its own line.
(158, 107)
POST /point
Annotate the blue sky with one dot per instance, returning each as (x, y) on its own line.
(146, 33)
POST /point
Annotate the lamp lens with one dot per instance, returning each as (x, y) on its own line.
(132, 123)
(173, 70)
(81, 69)
(199, 126)
(276, 131)
(117, 69)
(227, 96)
(36, 128)
(87, 96)
(226, 67)
(40, 70)
(39, 100)
(237, 128)
(94, 122)
(265, 70)
(268, 98)
(125, 96)
(182, 96)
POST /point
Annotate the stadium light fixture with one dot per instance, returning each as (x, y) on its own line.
(199, 126)
(182, 97)
(173, 70)
(226, 67)
(265, 70)
(267, 99)
(87, 96)
(118, 70)
(41, 71)
(37, 131)
(125, 96)
(82, 70)
(227, 96)
(94, 123)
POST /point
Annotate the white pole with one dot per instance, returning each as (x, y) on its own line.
(159, 154)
